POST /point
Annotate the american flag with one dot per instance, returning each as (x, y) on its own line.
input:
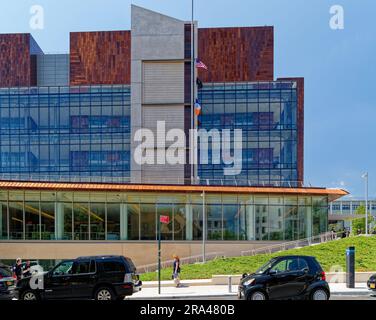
(200, 64)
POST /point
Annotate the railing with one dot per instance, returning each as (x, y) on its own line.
(186, 260)
(321, 238)
(154, 180)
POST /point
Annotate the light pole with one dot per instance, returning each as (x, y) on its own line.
(365, 177)
(203, 227)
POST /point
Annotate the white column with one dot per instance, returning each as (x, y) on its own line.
(250, 213)
(123, 221)
(189, 221)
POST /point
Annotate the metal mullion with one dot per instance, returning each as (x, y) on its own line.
(173, 222)
(23, 215)
(40, 216)
(8, 221)
(105, 218)
(222, 215)
(72, 215)
(89, 217)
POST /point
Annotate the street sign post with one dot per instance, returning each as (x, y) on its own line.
(165, 220)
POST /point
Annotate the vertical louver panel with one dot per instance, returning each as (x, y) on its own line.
(163, 82)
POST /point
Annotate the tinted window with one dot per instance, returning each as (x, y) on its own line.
(286, 265)
(92, 266)
(63, 268)
(303, 264)
(81, 267)
(131, 266)
(113, 266)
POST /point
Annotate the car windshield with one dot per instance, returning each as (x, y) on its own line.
(265, 267)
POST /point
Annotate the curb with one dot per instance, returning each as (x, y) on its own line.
(347, 293)
(181, 297)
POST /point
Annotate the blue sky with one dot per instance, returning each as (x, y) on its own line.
(339, 66)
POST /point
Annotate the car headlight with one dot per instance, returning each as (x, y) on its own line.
(248, 282)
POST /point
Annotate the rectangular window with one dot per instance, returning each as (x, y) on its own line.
(214, 222)
(231, 215)
(3, 220)
(180, 222)
(32, 222)
(47, 220)
(113, 221)
(148, 222)
(133, 224)
(16, 221)
(81, 221)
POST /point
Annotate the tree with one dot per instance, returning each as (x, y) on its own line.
(360, 223)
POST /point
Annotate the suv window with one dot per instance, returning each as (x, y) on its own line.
(113, 266)
(131, 266)
(84, 266)
(286, 265)
(63, 268)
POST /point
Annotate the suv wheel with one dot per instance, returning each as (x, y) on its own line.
(104, 293)
(257, 295)
(29, 296)
(319, 294)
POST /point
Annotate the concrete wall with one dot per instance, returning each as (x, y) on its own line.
(53, 70)
(157, 81)
(142, 253)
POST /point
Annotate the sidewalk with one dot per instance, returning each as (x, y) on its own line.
(168, 291)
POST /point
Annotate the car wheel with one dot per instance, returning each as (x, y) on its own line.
(29, 296)
(257, 295)
(319, 294)
(104, 293)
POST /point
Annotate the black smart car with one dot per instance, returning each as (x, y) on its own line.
(371, 283)
(288, 277)
(97, 277)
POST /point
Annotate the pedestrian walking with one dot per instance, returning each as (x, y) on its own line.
(176, 271)
(17, 270)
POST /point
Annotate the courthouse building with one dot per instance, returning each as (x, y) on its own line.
(69, 181)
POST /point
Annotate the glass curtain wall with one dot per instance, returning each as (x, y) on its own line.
(105, 216)
(65, 133)
(267, 115)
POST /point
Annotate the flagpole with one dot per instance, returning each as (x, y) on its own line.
(192, 87)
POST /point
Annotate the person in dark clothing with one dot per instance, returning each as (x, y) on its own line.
(26, 269)
(176, 271)
(18, 269)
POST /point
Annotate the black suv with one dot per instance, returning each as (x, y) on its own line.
(98, 277)
(288, 277)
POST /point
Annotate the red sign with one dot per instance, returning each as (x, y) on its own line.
(164, 219)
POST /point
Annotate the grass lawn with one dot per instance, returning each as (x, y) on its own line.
(328, 254)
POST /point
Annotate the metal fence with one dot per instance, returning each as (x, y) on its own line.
(186, 260)
(321, 238)
(155, 180)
